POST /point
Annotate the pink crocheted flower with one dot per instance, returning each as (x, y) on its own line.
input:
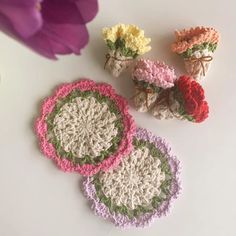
(85, 127)
(154, 72)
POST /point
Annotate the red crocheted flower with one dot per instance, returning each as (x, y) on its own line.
(192, 96)
(203, 112)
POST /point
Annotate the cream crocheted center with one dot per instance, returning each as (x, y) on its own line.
(135, 182)
(85, 126)
(203, 53)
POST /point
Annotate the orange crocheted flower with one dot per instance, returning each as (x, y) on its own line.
(186, 39)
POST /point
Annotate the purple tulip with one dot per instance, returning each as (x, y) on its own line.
(49, 27)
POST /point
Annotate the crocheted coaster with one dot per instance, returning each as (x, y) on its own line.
(196, 46)
(85, 127)
(141, 188)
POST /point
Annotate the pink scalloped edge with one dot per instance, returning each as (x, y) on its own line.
(62, 91)
(147, 219)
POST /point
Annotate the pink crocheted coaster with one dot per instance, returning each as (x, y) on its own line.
(141, 188)
(85, 127)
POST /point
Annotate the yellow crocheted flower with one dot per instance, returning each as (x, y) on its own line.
(135, 39)
(132, 35)
(117, 31)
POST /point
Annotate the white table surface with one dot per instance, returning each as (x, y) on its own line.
(37, 199)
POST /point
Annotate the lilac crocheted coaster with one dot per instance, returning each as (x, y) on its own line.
(141, 188)
(85, 127)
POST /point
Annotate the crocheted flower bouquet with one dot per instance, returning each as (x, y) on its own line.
(150, 78)
(196, 46)
(158, 91)
(125, 43)
(184, 101)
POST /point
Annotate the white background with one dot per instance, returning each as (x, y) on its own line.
(37, 199)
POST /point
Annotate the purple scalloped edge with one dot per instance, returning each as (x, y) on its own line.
(119, 220)
(62, 91)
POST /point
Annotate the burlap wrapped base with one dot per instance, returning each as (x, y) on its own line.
(117, 63)
(198, 65)
(167, 108)
(144, 100)
(197, 69)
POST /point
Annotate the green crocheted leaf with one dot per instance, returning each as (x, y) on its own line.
(199, 47)
(146, 85)
(120, 43)
(127, 52)
(111, 45)
(178, 96)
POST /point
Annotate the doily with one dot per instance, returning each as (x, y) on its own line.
(85, 127)
(141, 188)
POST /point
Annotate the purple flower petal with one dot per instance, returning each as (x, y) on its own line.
(41, 44)
(58, 39)
(56, 27)
(59, 48)
(27, 3)
(61, 12)
(38, 42)
(88, 9)
(26, 20)
(74, 37)
(6, 26)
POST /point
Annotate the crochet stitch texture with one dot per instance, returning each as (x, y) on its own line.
(150, 79)
(85, 127)
(196, 46)
(141, 188)
(125, 43)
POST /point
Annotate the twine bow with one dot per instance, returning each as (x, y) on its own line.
(164, 96)
(200, 60)
(109, 57)
(147, 91)
(165, 99)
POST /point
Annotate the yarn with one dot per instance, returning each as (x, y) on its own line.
(125, 43)
(85, 127)
(185, 101)
(76, 122)
(141, 188)
(197, 46)
(150, 79)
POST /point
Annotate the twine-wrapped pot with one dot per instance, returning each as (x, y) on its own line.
(196, 46)
(116, 63)
(184, 101)
(144, 97)
(167, 107)
(150, 78)
(198, 65)
(125, 43)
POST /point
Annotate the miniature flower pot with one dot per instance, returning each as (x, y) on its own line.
(196, 46)
(125, 43)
